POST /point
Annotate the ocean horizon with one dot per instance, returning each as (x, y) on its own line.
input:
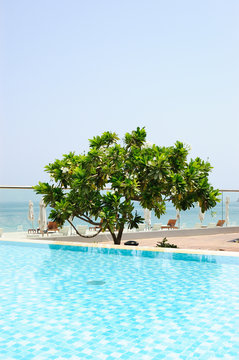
(14, 213)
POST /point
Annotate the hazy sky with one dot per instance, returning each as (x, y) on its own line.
(73, 69)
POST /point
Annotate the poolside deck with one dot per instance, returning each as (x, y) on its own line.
(215, 242)
(222, 240)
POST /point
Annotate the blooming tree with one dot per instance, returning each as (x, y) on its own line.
(134, 171)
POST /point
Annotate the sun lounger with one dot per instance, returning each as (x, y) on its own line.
(220, 223)
(170, 225)
(156, 226)
(141, 227)
(211, 225)
(82, 229)
(31, 231)
(52, 227)
(64, 231)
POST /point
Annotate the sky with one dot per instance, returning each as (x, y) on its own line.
(70, 70)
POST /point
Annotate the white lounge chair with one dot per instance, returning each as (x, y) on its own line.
(211, 225)
(141, 227)
(82, 229)
(126, 229)
(156, 226)
(64, 231)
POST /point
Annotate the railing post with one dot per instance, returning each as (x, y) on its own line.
(222, 205)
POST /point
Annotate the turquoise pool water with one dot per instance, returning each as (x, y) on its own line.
(61, 302)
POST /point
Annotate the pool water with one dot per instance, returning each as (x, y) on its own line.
(61, 302)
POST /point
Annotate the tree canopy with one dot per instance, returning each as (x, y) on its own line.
(133, 171)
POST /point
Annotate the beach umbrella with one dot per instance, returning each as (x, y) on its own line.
(227, 210)
(31, 213)
(200, 214)
(42, 221)
(178, 216)
(147, 218)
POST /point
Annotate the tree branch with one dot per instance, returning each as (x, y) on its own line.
(88, 220)
(84, 236)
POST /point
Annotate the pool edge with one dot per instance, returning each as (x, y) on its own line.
(112, 246)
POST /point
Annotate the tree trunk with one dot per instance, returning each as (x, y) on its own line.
(117, 238)
(113, 235)
(117, 241)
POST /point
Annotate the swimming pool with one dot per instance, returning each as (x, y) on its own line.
(64, 302)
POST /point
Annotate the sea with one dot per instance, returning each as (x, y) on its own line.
(14, 211)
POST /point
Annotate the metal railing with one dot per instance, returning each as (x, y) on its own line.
(14, 200)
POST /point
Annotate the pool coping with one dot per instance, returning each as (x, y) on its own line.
(124, 247)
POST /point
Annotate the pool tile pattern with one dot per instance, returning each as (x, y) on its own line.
(147, 307)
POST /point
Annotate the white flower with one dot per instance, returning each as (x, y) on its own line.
(147, 145)
(64, 170)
